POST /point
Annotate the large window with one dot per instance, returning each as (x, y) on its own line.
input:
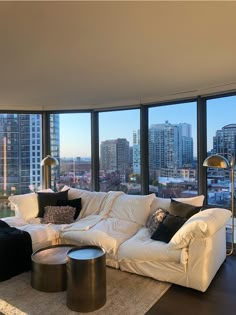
(221, 139)
(173, 150)
(20, 156)
(119, 138)
(73, 147)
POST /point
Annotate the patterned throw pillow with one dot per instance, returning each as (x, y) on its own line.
(75, 203)
(155, 219)
(58, 215)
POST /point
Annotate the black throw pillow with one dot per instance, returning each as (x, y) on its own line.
(183, 210)
(75, 203)
(49, 199)
(167, 228)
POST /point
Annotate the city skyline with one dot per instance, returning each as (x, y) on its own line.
(122, 124)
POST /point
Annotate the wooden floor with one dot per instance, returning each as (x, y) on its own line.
(219, 299)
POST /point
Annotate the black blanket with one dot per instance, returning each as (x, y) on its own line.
(15, 251)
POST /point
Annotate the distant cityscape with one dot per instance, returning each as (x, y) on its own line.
(172, 167)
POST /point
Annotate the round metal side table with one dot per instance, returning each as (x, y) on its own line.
(86, 278)
(49, 268)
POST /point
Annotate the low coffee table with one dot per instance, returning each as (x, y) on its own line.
(49, 268)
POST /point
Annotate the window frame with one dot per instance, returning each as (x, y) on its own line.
(201, 135)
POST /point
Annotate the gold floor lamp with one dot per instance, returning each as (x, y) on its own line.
(47, 163)
(219, 161)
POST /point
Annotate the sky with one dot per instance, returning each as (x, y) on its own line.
(75, 128)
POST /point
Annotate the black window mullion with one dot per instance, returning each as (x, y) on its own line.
(95, 151)
(201, 145)
(144, 150)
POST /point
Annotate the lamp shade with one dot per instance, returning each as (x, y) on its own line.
(49, 161)
(216, 161)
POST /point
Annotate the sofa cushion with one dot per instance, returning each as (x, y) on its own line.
(140, 249)
(42, 235)
(155, 219)
(26, 205)
(58, 215)
(200, 225)
(49, 199)
(15, 221)
(132, 208)
(164, 203)
(75, 203)
(167, 228)
(183, 210)
(91, 201)
(108, 233)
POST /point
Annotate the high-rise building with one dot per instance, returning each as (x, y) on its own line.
(21, 152)
(165, 146)
(225, 140)
(136, 152)
(170, 147)
(114, 155)
(55, 146)
(186, 144)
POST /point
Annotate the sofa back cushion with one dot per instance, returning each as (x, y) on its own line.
(132, 208)
(164, 203)
(26, 205)
(91, 201)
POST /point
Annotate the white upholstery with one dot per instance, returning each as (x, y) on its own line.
(200, 225)
(141, 248)
(132, 208)
(108, 233)
(206, 255)
(26, 205)
(91, 201)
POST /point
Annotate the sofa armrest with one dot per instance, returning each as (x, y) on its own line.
(206, 255)
(203, 224)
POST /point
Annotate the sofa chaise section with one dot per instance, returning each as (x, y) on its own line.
(191, 258)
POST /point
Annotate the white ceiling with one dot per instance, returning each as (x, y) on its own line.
(69, 55)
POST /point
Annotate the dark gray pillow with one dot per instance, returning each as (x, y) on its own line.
(155, 218)
(167, 228)
(50, 199)
(182, 210)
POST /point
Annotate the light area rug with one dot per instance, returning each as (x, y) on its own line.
(127, 294)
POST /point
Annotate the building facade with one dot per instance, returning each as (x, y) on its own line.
(136, 152)
(21, 152)
(170, 146)
(224, 141)
(114, 156)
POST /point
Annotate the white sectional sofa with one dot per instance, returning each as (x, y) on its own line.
(118, 223)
